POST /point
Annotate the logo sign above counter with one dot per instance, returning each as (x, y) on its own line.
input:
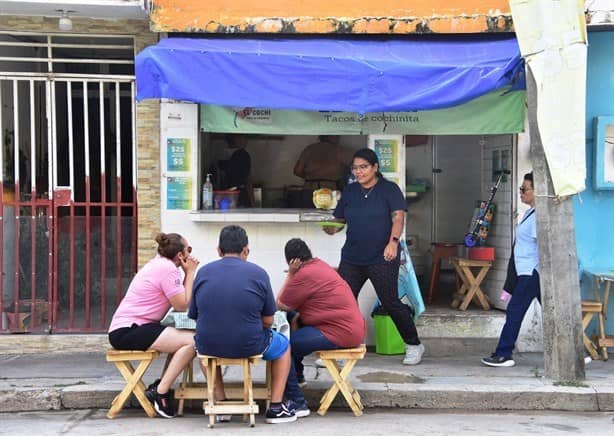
(498, 112)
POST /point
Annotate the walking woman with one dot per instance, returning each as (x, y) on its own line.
(374, 209)
(136, 322)
(522, 281)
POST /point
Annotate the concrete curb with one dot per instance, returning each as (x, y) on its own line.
(582, 399)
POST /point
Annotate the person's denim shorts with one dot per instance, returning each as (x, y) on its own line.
(277, 346)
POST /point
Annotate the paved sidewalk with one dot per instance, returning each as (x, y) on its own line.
(78, 381)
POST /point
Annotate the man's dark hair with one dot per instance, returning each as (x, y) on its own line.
(529, 177)
(232, 240)
(297, 249)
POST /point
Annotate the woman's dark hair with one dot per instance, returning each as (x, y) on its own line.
(297, 249)
(169, 244)
(370, 156)
(529, 177)
(232, 240)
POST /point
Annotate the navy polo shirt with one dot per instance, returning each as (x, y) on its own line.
(230, 298)
(368, 220)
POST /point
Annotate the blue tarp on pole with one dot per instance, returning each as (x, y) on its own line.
(328, 74)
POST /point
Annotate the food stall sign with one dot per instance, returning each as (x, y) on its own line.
(499, 112)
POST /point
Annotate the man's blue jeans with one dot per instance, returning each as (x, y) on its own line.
(527, 288)
(303, 342)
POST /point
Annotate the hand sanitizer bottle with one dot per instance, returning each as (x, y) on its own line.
(207, 195)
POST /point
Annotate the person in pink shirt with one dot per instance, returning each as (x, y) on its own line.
(136, 322)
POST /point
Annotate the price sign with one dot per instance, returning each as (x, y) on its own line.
(179, 193)
(386, 150)
(178, 154)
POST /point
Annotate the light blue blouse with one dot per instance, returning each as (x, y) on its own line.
(525, 250)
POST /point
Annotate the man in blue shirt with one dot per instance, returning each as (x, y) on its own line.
(233, 306)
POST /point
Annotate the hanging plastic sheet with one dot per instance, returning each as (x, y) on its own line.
(329, 74)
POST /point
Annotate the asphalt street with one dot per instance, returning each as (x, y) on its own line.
(373, 423)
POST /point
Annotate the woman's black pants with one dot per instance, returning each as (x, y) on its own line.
(385, 280)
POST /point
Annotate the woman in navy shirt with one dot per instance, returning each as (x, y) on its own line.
(374, 210)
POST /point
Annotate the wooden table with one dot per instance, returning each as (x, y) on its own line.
(470, 288)
(191, 390)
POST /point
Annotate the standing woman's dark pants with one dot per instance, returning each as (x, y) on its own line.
(385, 280)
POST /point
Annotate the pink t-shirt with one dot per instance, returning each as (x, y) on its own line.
(147, 299)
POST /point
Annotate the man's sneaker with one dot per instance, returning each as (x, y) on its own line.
(301, 409)
(163, 403)
(300, 378)
(495, 360)
(279, 414)
(413, 354)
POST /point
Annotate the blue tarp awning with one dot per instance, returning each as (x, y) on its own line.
(328, 74)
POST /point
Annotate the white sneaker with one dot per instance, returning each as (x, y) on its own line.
(413, 354)
(320, 364)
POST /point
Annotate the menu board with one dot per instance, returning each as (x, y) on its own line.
(178, 193)
(390, 151)
(387, 150)
(178, 154)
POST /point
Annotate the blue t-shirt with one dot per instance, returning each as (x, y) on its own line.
(230, 298)
(368, 215)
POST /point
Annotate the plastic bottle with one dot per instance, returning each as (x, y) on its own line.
(207, 196)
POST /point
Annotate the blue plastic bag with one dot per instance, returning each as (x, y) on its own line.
(409, 289)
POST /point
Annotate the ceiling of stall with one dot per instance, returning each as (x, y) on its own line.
(118, 9)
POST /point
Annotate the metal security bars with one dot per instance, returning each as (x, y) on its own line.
(66, 54)
(68, 179)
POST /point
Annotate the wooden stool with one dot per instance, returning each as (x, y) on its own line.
(341, 377)
(134, 384)
(247, 406)
(590, 309)
(470, 288)
(440, 251)
(187, 380)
